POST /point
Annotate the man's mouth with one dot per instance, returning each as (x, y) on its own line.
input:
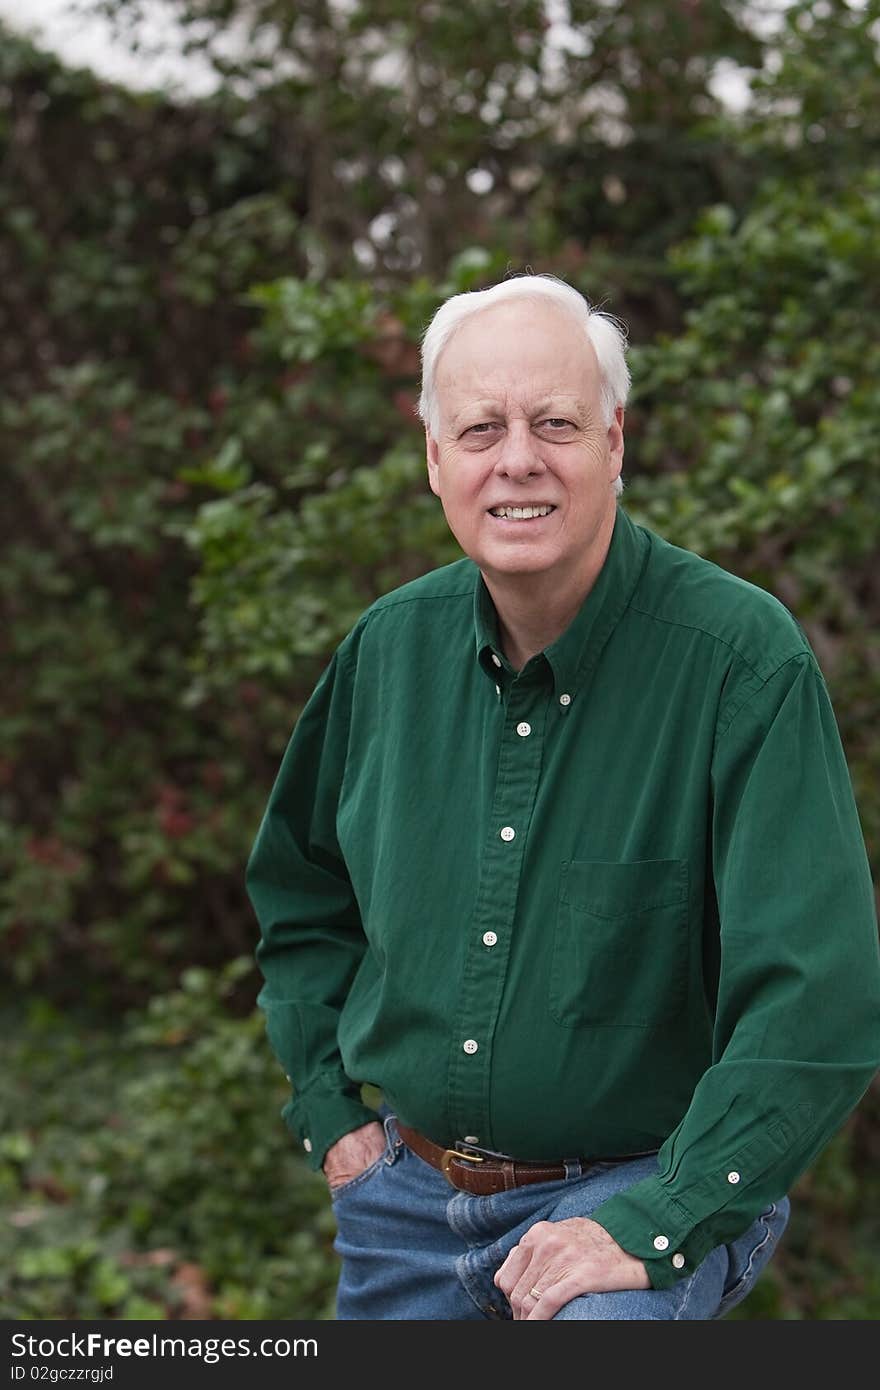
(522, 513)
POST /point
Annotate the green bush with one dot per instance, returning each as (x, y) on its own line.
(146, 1172)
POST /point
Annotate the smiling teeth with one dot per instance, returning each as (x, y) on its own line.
(521, 513)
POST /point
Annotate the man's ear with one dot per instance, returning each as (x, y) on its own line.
(433, 462)
(615, 443)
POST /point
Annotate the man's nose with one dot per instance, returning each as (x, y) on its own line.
(519, 456)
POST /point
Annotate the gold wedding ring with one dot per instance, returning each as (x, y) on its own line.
(534, 1293)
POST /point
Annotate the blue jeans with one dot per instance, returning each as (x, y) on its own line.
(414, 1248)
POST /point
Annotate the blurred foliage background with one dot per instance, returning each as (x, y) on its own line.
(210, 464)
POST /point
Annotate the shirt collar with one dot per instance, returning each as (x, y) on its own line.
(573, 656)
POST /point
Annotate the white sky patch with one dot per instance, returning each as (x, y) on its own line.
(84, 39)
(729, 84)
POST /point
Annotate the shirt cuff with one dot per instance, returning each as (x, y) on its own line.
(646, 1222)
(320, 1116)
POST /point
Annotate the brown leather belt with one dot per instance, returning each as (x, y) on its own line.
(478, 1173)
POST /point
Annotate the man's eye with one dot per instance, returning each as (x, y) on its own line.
(558, 424)
(480, 428)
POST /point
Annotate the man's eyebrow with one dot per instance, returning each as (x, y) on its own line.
(484, 407)
(544, 405)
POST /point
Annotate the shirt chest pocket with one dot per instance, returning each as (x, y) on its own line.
(620, 954)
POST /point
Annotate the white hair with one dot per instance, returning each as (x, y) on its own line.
(606, 333)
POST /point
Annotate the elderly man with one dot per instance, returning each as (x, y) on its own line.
(562, 858)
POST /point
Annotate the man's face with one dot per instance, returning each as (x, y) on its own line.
(520, 426)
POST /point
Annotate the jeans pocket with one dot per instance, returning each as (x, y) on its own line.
(387, 1156)
(748, 1255)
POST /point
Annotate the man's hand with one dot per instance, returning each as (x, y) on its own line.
(559, 1260)
(354, 1152)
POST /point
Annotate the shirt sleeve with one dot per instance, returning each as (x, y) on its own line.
(311, 936)
(797, 1019)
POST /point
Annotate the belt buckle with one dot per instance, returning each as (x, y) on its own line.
(450, 1154)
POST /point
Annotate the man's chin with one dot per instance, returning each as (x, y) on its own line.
(512, 567)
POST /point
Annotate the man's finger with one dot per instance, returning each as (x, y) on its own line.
(533, 1287)
(555, 1293)
(508, 1274)
(529, 1302)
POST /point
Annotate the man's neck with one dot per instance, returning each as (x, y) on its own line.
(534, 610)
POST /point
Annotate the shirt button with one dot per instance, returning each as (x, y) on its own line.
(524, 729)
(489, 938)
(508, 833)
(496, 659)
(470, 1046)
(661, 1242)
(498, 690)
(678, 1261)
(565, 699)
(733, 1177)
(307, 1145)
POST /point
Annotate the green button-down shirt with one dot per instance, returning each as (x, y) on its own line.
(617, 901)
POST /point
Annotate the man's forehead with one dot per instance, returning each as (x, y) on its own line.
(544, 355)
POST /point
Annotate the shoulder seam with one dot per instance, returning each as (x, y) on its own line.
(806, 657)
(388, 601)
(383, 605)
(716, 637)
